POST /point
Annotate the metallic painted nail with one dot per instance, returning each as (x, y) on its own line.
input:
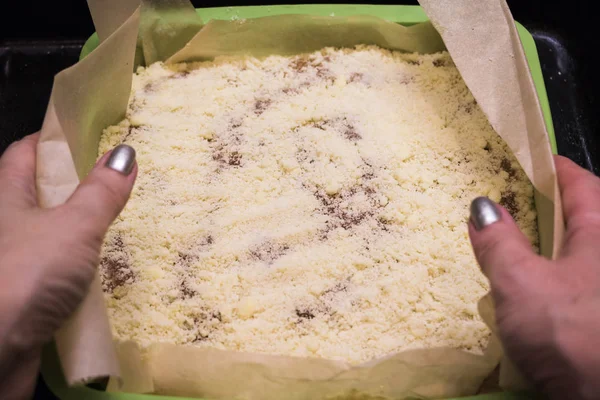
(484, 213)
(121, 159)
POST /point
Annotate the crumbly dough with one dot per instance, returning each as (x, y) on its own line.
(311, 206)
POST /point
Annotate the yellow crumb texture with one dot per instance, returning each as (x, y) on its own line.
(313, 205)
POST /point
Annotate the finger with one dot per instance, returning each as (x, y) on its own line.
(580, 194)
(101, 196)
(503, 252)
(17, 173)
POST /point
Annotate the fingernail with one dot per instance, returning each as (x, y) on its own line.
(121, 159)
(484, 213)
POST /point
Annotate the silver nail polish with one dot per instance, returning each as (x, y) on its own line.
(484, 212)
(121, 159)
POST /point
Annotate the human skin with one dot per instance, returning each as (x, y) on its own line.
(48, 257)
(547, 311)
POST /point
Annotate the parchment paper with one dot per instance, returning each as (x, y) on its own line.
(482, 39)
(66, 151)
(499, 76)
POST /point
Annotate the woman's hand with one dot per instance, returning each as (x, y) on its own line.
(48, 256)
(548, 312)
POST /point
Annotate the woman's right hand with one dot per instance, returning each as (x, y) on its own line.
(548, 312)
(48, 257)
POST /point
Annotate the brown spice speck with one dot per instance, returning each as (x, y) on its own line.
(186, 258)
(509, 201)
(299, 64)
(506, 166)
(468, 107)
(220, 157)
(440, 62)
(224, 157)
(325, 73)
(261, 105)
(116, 273)
(352, 219)
(304, 313)
(342, 125)
(115, 266)
(339, 287)
(186, 291)
(355, 77)
(368, 175)
(406, 79)
(290, 91)
(150, 87)
(130, 131)
(369, 172)
(268, 252)
(382, 224)
(205, 323)
(351, 134)
(346, 218)
(235, 159)
(301, 155)
(349, 130)
(200, 338)
(180, 74)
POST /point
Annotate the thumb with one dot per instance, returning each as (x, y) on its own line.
(503, 252)
(101, 196)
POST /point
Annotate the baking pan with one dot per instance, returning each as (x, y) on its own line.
(405, 15)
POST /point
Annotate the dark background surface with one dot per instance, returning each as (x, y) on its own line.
(38, 39)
